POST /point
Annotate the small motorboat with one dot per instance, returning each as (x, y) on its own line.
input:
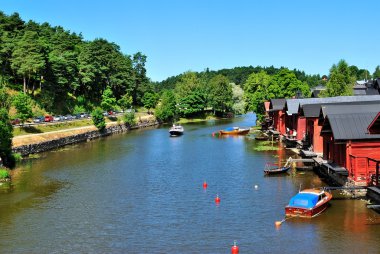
(176, 130)
(308, 203)
(234, 131)
(274, 169)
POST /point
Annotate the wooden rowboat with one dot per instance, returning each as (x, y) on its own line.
(234, 131)
(270, 170)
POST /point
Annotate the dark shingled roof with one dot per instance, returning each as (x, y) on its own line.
(276, 104)
(314, 110)
(292, 105)
(350, 126)
(343, 108)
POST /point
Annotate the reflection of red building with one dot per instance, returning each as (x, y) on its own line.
(351, 139)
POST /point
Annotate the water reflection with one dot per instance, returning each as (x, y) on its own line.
(142, 192)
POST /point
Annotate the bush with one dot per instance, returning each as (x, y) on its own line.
(129, 118)
(4, 174)
(98, 119)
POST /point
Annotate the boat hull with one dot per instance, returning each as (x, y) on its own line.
(276, 171)
(175, 133)
(234, 132)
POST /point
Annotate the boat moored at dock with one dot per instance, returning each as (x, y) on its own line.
(308, 203)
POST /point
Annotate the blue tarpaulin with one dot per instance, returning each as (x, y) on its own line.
(304, 200)
(230, 129)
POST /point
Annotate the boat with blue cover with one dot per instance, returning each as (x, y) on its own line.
(308, 203)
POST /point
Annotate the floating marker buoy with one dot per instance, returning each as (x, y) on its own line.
(217, 199)
(235, 249)
(278, 223)
(213, 134)
(256, 186)
(204, 185)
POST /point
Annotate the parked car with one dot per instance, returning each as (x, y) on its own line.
(15, 121)
(38, 119)
(69, 117)
(56, 118)
(49, 118)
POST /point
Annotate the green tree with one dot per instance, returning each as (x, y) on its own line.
(125, 102)
(166, 109)
(108, 100)
(6, 135)
(341, 81)
(149, 100)
(220, 94)
(256, 91)
(27, 58)
(376, 73)
(192, 104)
(23, 105)
(98, 119)
(140, 79)
(238, 99)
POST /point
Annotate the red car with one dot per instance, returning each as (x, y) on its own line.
(15, 121)
(49, 118)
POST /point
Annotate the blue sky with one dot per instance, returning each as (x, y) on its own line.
(181, 35)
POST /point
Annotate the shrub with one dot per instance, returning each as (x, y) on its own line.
(129, 118)
(4, 174)
(98, 119)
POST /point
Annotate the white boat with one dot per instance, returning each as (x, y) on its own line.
(176, 130)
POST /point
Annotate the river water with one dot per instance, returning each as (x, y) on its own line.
(141, 192)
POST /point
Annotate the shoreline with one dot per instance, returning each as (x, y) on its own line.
(42, 142)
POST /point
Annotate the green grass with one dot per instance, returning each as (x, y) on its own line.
(195, 120)
(261, 148)
(266, 146)
(48, 127)
(4, 174)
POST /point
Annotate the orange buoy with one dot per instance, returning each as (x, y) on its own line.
(235, 249)
(204, 185)
(217, 199)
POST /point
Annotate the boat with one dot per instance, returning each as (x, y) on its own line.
(234, 131)
(176, 130)
(276, 170)
(308, 203)
(261, 137)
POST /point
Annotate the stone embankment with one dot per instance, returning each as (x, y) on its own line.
(37, 143)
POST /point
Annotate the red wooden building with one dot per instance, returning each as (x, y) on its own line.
(276, 111)
(351, 139)
(302, 115)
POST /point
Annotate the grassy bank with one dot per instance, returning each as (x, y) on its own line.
(195, 120)
(4, 175)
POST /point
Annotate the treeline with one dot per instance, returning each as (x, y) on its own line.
(61, 71)
(239, 75)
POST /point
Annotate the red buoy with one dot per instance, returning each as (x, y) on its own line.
(235, 249)
(217, 199)
(204, 185)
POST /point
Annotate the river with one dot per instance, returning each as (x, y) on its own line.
(141, 192)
